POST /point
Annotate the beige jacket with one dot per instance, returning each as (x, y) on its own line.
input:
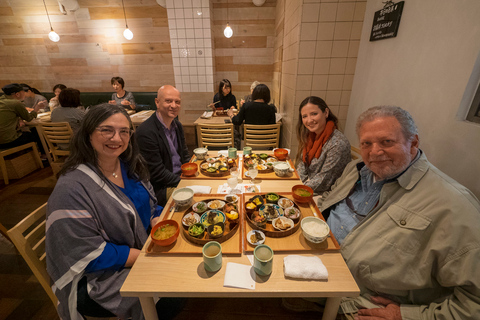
(420, 246)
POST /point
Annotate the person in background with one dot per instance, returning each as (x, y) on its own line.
(121, 96)
(34, 98)
(53, 103)
(256, 112)
(11, 109)
(98, 217)
(408, 232)
(224, 98)
(70, 109)
(248, 98)
(162, 143)
(323, 151)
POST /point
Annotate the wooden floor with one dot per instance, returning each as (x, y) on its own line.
(22, 297)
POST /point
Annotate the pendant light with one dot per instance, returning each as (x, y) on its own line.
(228, 32)
(128, 34)
(52, 35)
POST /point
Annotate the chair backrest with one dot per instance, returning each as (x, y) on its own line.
(355, 152)
(261, 136)
(28, 236)
(57, 134)
(215, 135)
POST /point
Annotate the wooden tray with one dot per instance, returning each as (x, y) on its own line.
(295, 241)
(227, 235)
(183, 246)
(260, 171)
(201, 175)
(272, 176)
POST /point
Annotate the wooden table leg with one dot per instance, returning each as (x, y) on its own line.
(331, 308)
(148, 307)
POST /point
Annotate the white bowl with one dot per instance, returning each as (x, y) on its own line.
(195, 216)
(281, 168)
(285, 203)
(195, 207)
(182, 196)
(234, 198)
(285, 220)
(315, 229)
(258, 242)
(220, 203)
(200, 153)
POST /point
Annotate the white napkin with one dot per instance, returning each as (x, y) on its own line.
(239, 276)
(200, 189)
(302, 267)
(207, 114)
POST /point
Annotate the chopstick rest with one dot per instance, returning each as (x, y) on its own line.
(301, 267)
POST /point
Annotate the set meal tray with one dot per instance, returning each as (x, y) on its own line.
(269, 174)
(201, 174)
(185, 244)
(292, 239)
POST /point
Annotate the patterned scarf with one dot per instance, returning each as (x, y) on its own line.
(315, 144)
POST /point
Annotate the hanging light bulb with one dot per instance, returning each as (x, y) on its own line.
(52, 35)
(128, 34)
(228, 32)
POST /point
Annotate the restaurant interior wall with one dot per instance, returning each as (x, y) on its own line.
(320, 46)
(425, 70)
(248, 55)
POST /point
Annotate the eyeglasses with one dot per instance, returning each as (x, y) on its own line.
(109, 132)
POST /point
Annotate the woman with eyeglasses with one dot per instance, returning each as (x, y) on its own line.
(323, 151)
(99, 216)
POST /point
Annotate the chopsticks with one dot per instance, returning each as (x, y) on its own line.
(173, 208)
(314, 209)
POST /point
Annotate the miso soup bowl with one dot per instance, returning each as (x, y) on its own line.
(168, 241)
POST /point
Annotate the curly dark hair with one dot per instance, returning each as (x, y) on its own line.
(82, 151)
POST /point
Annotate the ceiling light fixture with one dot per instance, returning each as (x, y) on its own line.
(128, 34)
(52, 35)
(228, 32)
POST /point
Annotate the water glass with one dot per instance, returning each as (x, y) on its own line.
(232, 183)
(252, 173)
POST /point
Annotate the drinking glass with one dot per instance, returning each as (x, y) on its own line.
(252, 172)
(232, 183)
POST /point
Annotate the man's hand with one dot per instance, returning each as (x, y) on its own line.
(390, 312)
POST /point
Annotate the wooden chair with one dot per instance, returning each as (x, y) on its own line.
(215, 135)
(261, 136)
(7, 152)
(28, 236)
(57, 134)
(355, 153)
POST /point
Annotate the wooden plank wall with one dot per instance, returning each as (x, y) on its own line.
(248, 55)
(91, 49)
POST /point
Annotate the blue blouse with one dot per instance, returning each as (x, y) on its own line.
(115, 256)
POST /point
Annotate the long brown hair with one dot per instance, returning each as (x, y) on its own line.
(302, 131)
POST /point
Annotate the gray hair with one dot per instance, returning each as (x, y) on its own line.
(254, 84)
(409, 128)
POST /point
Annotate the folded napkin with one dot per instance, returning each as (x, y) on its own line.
(207, 114)
(200, 189)
(239, 276)
(302, 267)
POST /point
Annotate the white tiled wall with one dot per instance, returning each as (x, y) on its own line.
(191, 42)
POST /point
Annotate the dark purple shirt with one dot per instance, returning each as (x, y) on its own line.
(171, 135)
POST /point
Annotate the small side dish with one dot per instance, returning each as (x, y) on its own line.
(196, 230)
(285, 203)
(255, 237)
(282, 223)
(190, 219)
(200, 207)
(216, 204)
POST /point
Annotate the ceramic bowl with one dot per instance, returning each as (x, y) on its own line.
(281, 169)
(182, 196)
(196, 230)
(220, 217)
(200, 153)
(288, 223)
(314, 229)
(285, 203)
(216, 204)
(280, 154)
(291, 213)
(272, 197)
(231, 198)
(200, 207)
(302, 193)
(189, 169)
(258, 234)
(168, 241)
(212, 227)
(188, 218)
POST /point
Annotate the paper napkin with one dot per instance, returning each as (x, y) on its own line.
(200, 189)
(239, 276)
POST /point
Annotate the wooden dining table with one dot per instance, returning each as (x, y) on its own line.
(183, 275)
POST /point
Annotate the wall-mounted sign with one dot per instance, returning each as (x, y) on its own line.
(386, 21)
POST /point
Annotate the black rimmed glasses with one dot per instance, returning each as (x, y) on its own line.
(108, 132)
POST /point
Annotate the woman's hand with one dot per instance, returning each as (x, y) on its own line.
(112, 102)
(132, 257)
(154, 221)
(125, 102)
(230, 112)
(212, 106)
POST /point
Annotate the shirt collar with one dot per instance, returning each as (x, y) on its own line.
(173, 125)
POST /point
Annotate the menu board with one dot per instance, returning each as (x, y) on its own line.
(386, 21)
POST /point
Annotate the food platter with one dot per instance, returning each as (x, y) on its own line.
(213, 217)
(263, 162)
(217, 166)
(269, 211)
(290, 240)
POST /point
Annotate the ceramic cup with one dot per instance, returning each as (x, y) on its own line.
(263, 260)
(232, 153)
(247, 150)
(212, 256)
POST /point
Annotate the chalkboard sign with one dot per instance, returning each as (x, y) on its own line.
(386, 21)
